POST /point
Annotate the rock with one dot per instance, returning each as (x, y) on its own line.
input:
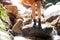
(4, 35)
(53, 23)
(10, 9)
(12, 13)
(17, 26)
(27, 21)
(18, 16)
(36, 33)
(50, 14)
(58, 27)
(58, 3)
(48, 5)
(51, 18)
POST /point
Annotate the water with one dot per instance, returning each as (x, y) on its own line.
(20, 38)
(55, 35)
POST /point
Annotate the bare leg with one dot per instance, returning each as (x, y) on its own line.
(39, 8)
(33, 14)
(39, 13)
(33, 10)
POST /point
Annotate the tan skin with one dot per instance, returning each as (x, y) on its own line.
(32, 4)
(38, 10)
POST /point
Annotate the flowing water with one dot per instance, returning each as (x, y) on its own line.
(55, 35)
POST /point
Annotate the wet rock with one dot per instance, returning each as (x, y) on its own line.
(48, 5)
(37, 33)
(58, 26)
(51, 18)
(27, 21)
(58, 3)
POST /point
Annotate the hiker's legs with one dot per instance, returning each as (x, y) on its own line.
(39, 13)
(33, 14)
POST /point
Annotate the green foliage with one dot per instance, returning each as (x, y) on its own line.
(2, 26)
(4, 18)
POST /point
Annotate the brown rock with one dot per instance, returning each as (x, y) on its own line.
(17, 26)
(27, 21)
(11, 9)
(51, 18)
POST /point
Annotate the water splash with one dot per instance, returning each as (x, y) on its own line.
(55, 35)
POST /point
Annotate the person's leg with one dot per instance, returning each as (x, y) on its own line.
(39, 13)
(39, 8)
(33, 14)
